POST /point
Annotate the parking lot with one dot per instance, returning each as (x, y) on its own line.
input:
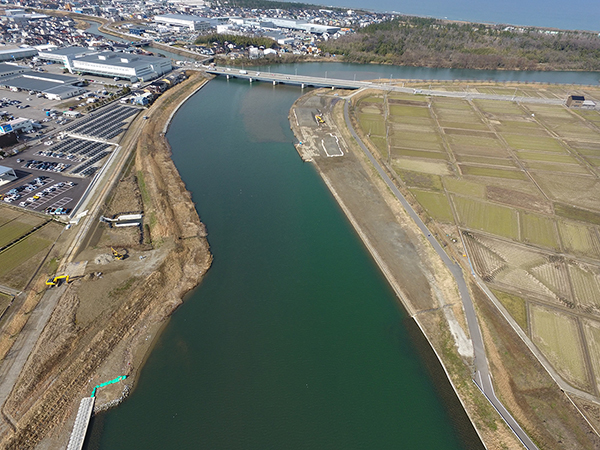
(52, 189)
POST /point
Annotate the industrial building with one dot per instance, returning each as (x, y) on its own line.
(54, 86)
(12, 54)
(123, 65)
(111, 64)
(194, 23)
(19, 125)
(64, 55)
(301, 25)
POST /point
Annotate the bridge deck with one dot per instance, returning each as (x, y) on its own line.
(84, 414)
(388, 85)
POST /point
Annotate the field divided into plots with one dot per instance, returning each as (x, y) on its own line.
(22, 246)
(519, 182)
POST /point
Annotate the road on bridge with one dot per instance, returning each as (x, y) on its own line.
(305, 80)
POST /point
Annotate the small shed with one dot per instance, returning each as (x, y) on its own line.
(7, 174)
(575, 101)
(589, 104)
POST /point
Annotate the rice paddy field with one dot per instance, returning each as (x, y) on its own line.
(520, 182)
(22, 252)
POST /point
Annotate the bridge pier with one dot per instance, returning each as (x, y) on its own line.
(250, 80)
(302, 86)
(274, 82)
(227, 76)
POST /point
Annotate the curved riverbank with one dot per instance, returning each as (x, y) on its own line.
(107, 324)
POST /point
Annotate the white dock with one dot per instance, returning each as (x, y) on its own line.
(84, 414)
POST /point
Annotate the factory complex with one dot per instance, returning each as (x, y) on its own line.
(133, 67)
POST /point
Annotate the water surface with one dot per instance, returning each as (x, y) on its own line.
(294, 340)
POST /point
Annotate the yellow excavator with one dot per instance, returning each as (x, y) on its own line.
(118, 256)
(57, 280)
(319, 119)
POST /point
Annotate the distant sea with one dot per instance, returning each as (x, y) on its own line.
(568, 15)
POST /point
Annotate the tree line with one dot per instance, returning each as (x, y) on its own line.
(430, 42)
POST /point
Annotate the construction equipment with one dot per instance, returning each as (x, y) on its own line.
(57, 280)
(118, 256)
(319, 119)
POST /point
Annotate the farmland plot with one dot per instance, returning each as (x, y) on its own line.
(557, 335)
(582, 191)
(580, 239)
(586, 284)
(494, 219)
(555, 277)
(436, 204)
(539, 230)
(591, 329)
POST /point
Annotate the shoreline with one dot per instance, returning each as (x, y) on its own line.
(407, 306)
(117, 340)
(146, 350)
(497, 395)
(156, 334)
(424, 317)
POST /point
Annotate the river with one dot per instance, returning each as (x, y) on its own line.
(294, 339)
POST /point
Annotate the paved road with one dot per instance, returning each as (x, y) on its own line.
(482, 375)
(350, 84)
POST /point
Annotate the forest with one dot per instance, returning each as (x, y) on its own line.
(417, 41)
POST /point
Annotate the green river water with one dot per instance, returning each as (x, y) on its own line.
(294, 340)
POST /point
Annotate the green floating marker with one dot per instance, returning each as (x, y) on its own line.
(106, 383)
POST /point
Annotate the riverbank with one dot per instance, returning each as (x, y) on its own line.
(107, 322)
(405, 258)
(421, 282)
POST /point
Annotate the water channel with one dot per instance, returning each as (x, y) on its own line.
(294, 339)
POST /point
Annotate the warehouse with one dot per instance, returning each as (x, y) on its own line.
(54, 86)
(123, 65)
(194, 23)
(64, 55)
(12, 54)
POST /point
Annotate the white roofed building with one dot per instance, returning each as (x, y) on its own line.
(123, 65)
(194, 23)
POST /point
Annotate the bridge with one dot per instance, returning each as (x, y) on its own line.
(84, 414)
(306, 81)
(284, 78)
